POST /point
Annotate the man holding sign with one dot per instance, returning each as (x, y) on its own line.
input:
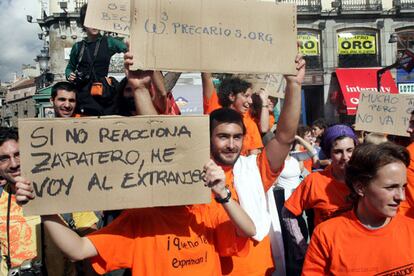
(249, 178)
(179, 240)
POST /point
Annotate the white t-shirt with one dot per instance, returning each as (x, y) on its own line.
(289, 177)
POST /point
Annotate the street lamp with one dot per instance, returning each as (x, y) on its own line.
(43, 59)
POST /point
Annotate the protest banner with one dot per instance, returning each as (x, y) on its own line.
(213, 36)
(384, 113)
(108, 15)
(111, 163)
(274, 84)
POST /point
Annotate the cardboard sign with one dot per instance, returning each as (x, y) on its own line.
(108, 15)
(89, 164)
(274, 84)
(384, 113)
(354, 80)
(351, 44)
(213, 36)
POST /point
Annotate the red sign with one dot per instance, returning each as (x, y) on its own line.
(354, 80)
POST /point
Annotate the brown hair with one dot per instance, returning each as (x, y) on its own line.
(368, 158)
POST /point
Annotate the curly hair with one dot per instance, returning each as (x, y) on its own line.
(231, 86)
(8, 133)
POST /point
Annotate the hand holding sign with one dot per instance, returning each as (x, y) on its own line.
(24, 190)
(215, 178)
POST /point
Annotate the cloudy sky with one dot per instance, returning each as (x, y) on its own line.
(19, 43)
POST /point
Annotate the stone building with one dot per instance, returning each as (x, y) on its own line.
(348, 34)
(335, 35)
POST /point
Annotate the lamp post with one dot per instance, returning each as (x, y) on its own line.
(43, 60)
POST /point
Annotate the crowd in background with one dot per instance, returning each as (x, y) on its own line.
(287, 199)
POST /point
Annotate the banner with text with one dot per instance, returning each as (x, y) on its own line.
(111, 163)
(213, 36)
(384, 113)
(274, 84)
(108, 15)
(354, 80)
(356, 44)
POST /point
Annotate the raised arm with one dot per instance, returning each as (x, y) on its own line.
(311, 150)
(208, 86)
(216, 180)
(140, 82)
(264, 111)
(278, 147)
(70, 243)
(170, 79)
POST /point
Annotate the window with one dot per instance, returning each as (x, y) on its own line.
(358, 48)
(406, 40)
(310, 47)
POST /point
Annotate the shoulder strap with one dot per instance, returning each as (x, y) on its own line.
(80, 56)
(68, 217)
(8, 257)
(95, 53)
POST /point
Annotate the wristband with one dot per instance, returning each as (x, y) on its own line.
(224, 200)
(266, 105)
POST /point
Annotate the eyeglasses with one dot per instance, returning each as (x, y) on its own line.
(6, 159)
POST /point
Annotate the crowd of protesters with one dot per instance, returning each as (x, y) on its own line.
(357, 192)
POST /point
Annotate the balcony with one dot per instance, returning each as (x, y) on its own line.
(79, 4)
(305, 6)
(361, 5)
(404, 4)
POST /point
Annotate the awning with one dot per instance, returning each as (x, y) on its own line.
(354, 80)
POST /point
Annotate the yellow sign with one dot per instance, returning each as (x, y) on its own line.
(356, 44)
(309, 44)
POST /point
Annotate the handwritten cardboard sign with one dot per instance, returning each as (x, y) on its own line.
(114, 163)
(213, 36)
(108, 15)
(274, 84)
(384, 113)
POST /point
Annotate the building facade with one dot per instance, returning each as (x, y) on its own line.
(348, 34)
(333, 34)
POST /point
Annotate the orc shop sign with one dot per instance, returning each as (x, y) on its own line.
(355, 80)
(114, 163)
(356, 44)
(309, 44)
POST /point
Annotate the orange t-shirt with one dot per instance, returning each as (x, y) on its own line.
(407, 206)
(322, 193)
(178, 240)
(259, 260)
(212, 103)
(307, 164)
(271, 121)
(252, 139)
(343, 246)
